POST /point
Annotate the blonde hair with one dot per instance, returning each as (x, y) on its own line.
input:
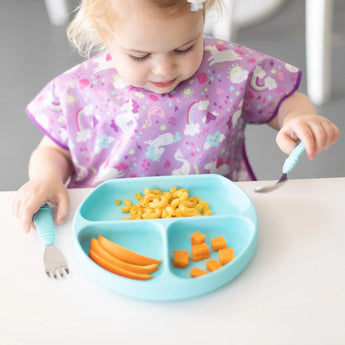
(95, 18)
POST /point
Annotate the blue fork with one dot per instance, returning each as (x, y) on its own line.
(54, 262)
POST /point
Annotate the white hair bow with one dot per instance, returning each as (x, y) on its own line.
(196, 5)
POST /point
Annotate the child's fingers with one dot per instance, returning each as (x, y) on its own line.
(23, 214)
(63, 209)
(332, 132)
(307, 136)
(29, 227)
(320, 136)
(316, 132)
(316, 136)
(287, 140)
(325, 134)
(26, 216)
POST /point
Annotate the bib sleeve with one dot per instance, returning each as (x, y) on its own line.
(270, 82)
(47, 112)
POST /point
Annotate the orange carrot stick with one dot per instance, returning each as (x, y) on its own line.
(114, 269)
(125, 254)
(97, 249)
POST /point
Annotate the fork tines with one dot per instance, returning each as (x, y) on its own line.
(58, 271)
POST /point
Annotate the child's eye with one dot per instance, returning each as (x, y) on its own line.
(139, 58)
(184, 51)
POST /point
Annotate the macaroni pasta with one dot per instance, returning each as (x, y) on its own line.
(157, 204)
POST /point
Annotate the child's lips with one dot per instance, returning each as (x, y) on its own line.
(163, 84)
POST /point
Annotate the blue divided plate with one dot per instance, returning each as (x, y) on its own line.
(234, 217)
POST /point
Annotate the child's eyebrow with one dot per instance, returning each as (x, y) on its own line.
(135, 51)
(191, 42)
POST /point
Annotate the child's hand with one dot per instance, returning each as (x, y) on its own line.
(35, 193)
(316, 132)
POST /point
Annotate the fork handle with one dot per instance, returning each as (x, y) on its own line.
(44, 223)
(291, 161)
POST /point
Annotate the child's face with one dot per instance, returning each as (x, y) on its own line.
(158, 52)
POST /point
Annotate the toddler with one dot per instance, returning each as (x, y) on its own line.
(158, 98)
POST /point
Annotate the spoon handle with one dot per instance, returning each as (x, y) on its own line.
(291, 161)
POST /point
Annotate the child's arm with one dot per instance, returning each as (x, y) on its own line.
(297, 119)
(49, 168)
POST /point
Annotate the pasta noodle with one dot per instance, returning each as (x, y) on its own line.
(157, 204)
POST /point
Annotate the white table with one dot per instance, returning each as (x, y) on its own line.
(292, 292)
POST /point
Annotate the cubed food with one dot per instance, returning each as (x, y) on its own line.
(226, 255)
(218, 243)
(197, 272)
(200, 252)
(181, 258)
(212, 265)
(197, 238)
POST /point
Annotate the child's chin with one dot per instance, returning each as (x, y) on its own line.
(162, 90)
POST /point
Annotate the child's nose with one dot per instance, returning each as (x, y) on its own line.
(164, 66)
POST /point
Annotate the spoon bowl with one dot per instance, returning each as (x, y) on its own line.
(288, 165)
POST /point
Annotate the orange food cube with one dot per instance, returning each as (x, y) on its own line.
(197, 238)
(197, 272)
(226, 255)
(181, 258)
(218, 243)
(212, 265)
(200, 251)
(118, 202)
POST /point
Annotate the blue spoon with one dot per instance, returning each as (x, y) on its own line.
(288, 165)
